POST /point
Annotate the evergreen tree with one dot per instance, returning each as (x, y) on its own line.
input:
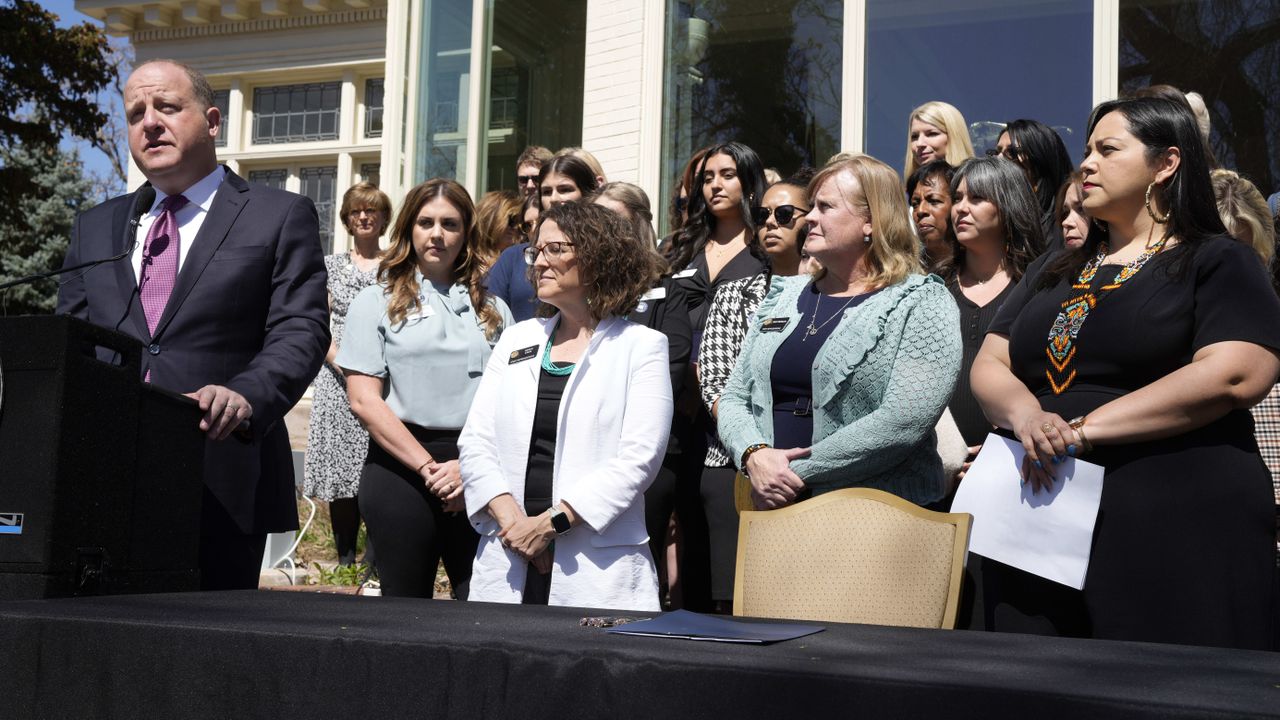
(36, 240)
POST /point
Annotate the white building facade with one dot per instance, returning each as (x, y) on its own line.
(320, 94)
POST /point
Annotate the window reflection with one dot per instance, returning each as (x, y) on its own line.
(442, 95)
(536, 66)
(1226, 50)
(995, 60)
(763, 72)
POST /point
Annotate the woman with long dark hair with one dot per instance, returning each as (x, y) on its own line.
(997, 234)
(415, 346)
(1142, 352)
(1039, 151)
(716, 244)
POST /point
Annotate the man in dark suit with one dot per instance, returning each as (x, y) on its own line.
(227, 289)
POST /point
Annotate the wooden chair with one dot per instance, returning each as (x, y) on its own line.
(855, 555)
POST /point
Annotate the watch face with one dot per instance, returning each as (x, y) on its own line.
(560, 521)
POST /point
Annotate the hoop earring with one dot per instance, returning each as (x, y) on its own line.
(1150, 210)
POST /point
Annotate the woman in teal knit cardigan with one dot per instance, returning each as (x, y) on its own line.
(844, 374)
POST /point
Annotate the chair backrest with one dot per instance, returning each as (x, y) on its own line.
(854, 555)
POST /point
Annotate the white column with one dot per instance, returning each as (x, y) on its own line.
(1106, 50)
(653, 54)
(475, 111)
(853, 78)
(237, 118)
(347, 108)
(397, 80)
(344, 180)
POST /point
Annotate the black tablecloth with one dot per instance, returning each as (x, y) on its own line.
(276, 655)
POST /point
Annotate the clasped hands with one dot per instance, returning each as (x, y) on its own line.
(528, 537)
(1049, 441)
(773, 483)
(444, 480)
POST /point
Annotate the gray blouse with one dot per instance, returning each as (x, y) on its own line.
(430, 362)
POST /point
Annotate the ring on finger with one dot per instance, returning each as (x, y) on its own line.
(1048, 428)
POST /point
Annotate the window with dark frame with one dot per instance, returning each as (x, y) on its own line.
(296, 113)
(222, 101)
(320, 184)
(276, 177)
(373, 94)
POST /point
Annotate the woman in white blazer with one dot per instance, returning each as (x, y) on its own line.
(569, 426)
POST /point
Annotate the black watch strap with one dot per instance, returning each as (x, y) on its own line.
(559, 521)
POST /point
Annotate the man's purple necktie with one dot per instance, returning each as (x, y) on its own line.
(160, 261)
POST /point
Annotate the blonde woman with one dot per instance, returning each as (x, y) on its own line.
(853, 366)
(936, 131)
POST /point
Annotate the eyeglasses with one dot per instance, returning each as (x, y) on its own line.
(522, 227)
(526, 179)
(1009, 153)
(783, 213)
(364, 211)
(554, 250)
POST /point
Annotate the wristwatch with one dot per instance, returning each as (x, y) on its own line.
(559, 521)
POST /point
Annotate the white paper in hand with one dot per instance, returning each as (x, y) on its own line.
(1049, 534)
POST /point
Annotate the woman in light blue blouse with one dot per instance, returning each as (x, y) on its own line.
(415, 346)
(843, 374)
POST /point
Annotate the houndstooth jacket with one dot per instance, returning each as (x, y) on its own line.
(727, 322)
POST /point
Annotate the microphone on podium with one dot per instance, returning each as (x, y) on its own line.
(142, 201)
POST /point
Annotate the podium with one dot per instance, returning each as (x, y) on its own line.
(100, 473)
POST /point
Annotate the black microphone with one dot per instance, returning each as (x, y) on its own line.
(142, 201)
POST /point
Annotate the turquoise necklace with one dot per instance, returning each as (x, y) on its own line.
(547, 365)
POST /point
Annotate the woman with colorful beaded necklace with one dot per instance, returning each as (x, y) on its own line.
(570, 425)
(1142, 351)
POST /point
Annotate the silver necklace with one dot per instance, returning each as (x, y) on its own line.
(813, 329)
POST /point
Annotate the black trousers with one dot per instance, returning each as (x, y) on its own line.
(408, 524)
(722, 529)
(229, 558)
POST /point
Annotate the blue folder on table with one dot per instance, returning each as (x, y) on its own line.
(693, 626)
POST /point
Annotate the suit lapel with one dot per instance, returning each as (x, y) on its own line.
(228, 202)
(126, 281)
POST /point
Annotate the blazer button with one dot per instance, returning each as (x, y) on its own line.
(153, 348)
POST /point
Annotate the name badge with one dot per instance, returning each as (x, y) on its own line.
(685, 273)
(777, 324)
(657, 293)
(522, 354)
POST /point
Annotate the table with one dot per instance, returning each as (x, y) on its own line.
(275, 655)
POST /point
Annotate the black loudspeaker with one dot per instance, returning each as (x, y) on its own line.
(100, 474)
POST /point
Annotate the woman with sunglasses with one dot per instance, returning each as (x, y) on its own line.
(853, 366)
(564, 178)
(569, 426)
(1142, 351)
(1044, 161)
(782, 230)
(415, 346)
